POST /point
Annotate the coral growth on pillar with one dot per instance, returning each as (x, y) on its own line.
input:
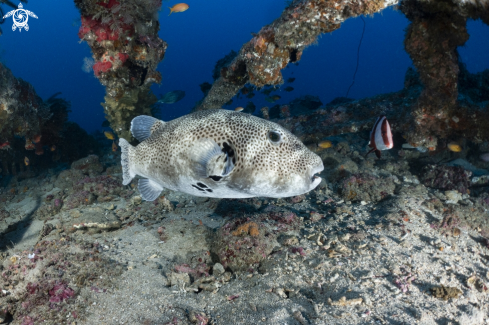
(436, 30)
(261, 60)
(123, 37)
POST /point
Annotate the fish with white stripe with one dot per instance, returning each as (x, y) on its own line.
(380, 137)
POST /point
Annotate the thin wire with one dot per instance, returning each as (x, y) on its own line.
(358, 57)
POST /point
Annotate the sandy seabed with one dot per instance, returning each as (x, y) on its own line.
(371, 245)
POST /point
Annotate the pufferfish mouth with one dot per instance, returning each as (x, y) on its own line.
(315, 171)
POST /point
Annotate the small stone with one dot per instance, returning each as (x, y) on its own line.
(453, 196)
(46, 230)
(474, 282)
(297, 199)
(252, 306)
(196, 317)
(167, 205)
(218, 269)
(367, 301)
(98, 225)
(179, 279)
(226, 277)
(75, 213)
(345, 302)
(136, 200)
(280, 292)
(315, 217)
(298, 317)
(288, 240)
(445, 293)
(111, 207)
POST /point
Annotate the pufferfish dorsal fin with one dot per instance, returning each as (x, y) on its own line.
(210, 160)
(143, 126)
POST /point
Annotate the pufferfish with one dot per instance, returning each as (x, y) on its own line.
(218, 153)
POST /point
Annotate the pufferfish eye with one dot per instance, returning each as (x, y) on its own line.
(274, 137)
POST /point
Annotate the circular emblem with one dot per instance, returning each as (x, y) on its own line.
(20, 17)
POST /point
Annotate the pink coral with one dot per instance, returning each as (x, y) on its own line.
(299, 250)
(403, 282)
(446, 177)
(123, 57)
(201, 319)
(102, 31)
(32, 288)
(200, 270)
(87, 24)
(60, 292)
(100, 67)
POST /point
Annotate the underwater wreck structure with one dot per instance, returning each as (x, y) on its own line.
(35, 129)
(437, 28)
(25, 122)
(126, 49)
(260, 61)
(123, 37)
(22, 111)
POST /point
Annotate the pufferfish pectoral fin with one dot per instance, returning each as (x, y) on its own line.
(210, 160)
(149, 189)
(143, 126)
(203, 151)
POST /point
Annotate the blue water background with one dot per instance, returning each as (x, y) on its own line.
(49, 55)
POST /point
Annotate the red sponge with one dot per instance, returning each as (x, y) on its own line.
(101, 67)
(123, 57)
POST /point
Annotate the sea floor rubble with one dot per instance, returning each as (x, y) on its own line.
(395, 252)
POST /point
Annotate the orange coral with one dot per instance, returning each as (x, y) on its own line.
(250, 228)
(254, 232)
(259, 44)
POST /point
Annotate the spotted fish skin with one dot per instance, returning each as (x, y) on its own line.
(218, 153)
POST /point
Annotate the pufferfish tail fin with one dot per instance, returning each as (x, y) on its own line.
(127, 160)
(143, 126)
